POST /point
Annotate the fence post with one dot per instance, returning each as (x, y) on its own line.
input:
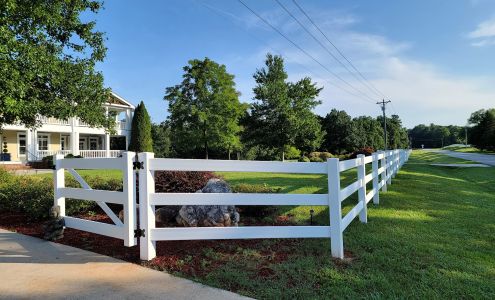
(59, 182)
(394, 163)
(383, 165)
(147, 247)
(335, 208)
(361, 172)
(129, 190)
(374, 166)
(390, 163)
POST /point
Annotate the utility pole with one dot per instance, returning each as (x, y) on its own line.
(383, 104)
(465, 132)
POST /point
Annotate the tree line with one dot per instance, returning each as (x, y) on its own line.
(480, 132)
(207, 119)
(436, 136)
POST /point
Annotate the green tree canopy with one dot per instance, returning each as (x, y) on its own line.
(204, 110)
(282, 114)
(160, 133)
(141, 140)
(47, 62)
(482, 134)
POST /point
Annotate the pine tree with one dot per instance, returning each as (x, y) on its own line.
(141, 140)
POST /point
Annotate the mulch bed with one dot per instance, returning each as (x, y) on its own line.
(185, 257)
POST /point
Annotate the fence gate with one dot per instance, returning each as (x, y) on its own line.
(127, 198)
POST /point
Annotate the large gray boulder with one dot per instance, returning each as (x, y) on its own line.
(209, 215)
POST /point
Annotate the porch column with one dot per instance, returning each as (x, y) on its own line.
(74, 142)
(107, 144)
(34, 144)
(30, 155)
(128, 119)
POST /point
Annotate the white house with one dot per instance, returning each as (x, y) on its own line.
(71, 136)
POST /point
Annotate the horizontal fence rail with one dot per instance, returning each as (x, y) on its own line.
(384, 166)
(120, 229)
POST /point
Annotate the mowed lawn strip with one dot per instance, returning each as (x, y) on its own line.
(431, 236)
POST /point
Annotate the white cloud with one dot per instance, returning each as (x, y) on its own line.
(484, 34)
(420, 91)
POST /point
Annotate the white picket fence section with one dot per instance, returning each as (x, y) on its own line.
(121, 230)
(384, 167)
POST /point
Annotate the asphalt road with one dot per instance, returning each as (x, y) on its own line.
(486, 159)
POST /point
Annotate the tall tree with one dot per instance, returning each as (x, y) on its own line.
(47, 62)
(482, 134)
(339, 132)
(141, 140)
(204, 110)
(160, 134)
(282, 113)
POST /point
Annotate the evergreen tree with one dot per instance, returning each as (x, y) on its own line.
(282, 114)
(141, 131)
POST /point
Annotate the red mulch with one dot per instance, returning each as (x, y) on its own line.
(187, 257)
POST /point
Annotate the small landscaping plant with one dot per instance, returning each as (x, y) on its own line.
(181, 182)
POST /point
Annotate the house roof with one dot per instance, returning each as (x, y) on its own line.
(118, 100)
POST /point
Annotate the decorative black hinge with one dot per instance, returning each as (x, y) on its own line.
(136, 165)
(139, 233)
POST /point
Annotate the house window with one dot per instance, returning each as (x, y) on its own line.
(43, 142)
(82, 143)
(22, 144)
(64, 142)
(93, 143)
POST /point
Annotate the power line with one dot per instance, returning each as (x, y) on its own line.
(304, 51)
(326, 48)
(224, 14)
(340, 52)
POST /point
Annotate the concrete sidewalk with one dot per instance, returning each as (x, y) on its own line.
(31, 268)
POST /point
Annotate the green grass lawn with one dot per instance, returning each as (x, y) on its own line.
(469, 150)
(432, 236)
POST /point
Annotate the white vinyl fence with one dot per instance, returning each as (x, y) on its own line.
(384, 166)
(127, 198)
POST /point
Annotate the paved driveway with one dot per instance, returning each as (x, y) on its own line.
(32, 268)
(486, 159)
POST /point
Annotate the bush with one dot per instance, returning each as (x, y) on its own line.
(181, 182)
(320, 156)
(256, 211)
(367, 151)
(304, 159)
(34, 195)
(292, 153)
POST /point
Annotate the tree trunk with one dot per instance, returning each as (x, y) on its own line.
(283, 155)
(229, 153)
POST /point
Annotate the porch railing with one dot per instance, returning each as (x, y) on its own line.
(99, 153)
(84, 153)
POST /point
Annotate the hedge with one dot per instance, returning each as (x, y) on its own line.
(34, 195)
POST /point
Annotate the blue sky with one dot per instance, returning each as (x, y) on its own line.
(433, 59)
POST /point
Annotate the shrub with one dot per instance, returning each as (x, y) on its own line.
(256, 211)
(323, 156)
(292, 153)
(181, 182)
(316, 159)
(34, 195)
(304, 159)
(366, 151)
